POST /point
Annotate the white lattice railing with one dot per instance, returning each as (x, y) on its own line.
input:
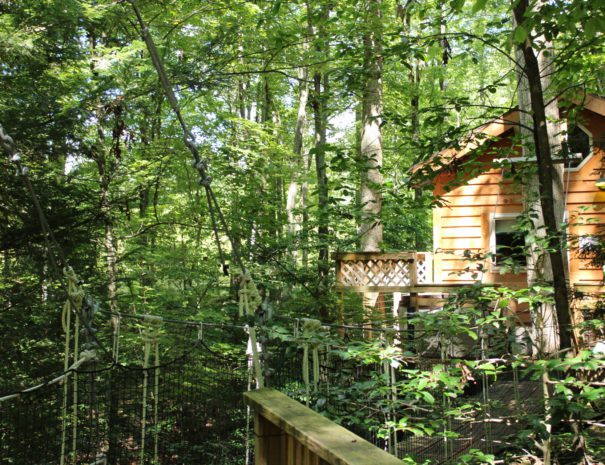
(383, 271)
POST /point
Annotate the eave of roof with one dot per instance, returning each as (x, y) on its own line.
(475, 139)
(494, 129)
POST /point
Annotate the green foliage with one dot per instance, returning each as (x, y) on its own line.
(106, 158)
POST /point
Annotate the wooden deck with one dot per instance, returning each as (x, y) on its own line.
(288, 433)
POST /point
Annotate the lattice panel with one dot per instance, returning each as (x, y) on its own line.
(375, 272)
(422, 270)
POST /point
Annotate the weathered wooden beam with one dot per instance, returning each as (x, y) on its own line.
(440, 288)
(347, 256)
(305, 437)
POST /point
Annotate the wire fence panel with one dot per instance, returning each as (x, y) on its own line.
(194, 414)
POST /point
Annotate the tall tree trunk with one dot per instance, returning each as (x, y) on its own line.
(320, 118)
(102, 155)
(445, 47)
(549, 188)
(108, 239)
(371, 136)
(299, 130)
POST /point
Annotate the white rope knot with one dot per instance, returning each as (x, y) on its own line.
(87, 355)
(152, 329)
(310, 329)
(249, 297)
(76, 295)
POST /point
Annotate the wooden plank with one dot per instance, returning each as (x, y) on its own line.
(483, 200)
(461, 221)
(404, 289)
(268, 446)
(331, 442)
(455, 232)
(585, 198)
(489, 178)
(452, 211)
(348, 256)
(462, 243)
(581, 185)
(484, 189)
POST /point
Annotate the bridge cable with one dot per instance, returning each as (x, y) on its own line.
(198, 163)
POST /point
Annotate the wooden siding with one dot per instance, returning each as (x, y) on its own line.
(463, 222)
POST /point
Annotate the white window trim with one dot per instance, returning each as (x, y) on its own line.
(494, 268)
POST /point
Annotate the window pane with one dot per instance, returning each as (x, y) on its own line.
(509, 242)
(578, 142)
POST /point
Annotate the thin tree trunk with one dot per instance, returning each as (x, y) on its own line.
(547, 176)
(108, 239)
(539, 269)
(101, 156)
(320, 119)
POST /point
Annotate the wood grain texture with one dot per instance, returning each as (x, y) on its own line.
(323, 441)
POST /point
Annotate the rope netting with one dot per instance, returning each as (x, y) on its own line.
(188, 409)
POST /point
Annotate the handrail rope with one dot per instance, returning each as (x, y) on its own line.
(85, 356)
(310, 328)
(66, 323)
(253, 351)
(188, 138)
(194, 323)
(197, 323)
(390, 373)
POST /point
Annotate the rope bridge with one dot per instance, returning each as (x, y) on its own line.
(185, 410)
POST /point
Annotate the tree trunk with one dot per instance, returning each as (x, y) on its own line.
(548, 176)
(320, 119)
(371, 136)
(101, 156)
(299, 130)
(539, 269)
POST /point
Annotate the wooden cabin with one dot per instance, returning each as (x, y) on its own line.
(479, 207)
(479, 204)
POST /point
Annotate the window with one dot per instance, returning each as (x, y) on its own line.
(579, 146)
(508, 243)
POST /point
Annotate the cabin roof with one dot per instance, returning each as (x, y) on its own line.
(490, 131)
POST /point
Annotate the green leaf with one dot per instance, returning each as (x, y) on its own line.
(519, 34)
(457, 4)
(479, 5)
(590, 28)
(428, 397)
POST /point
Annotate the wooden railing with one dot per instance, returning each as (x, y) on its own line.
(288, 433)
(383, 272)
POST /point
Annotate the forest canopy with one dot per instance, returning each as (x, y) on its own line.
(166, 150)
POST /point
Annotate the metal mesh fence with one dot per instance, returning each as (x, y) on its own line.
(194, 414)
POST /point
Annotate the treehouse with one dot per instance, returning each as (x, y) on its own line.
(474, 227)
(480, 202)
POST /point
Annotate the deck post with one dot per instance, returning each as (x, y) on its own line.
(268, 446)
(412, 305)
